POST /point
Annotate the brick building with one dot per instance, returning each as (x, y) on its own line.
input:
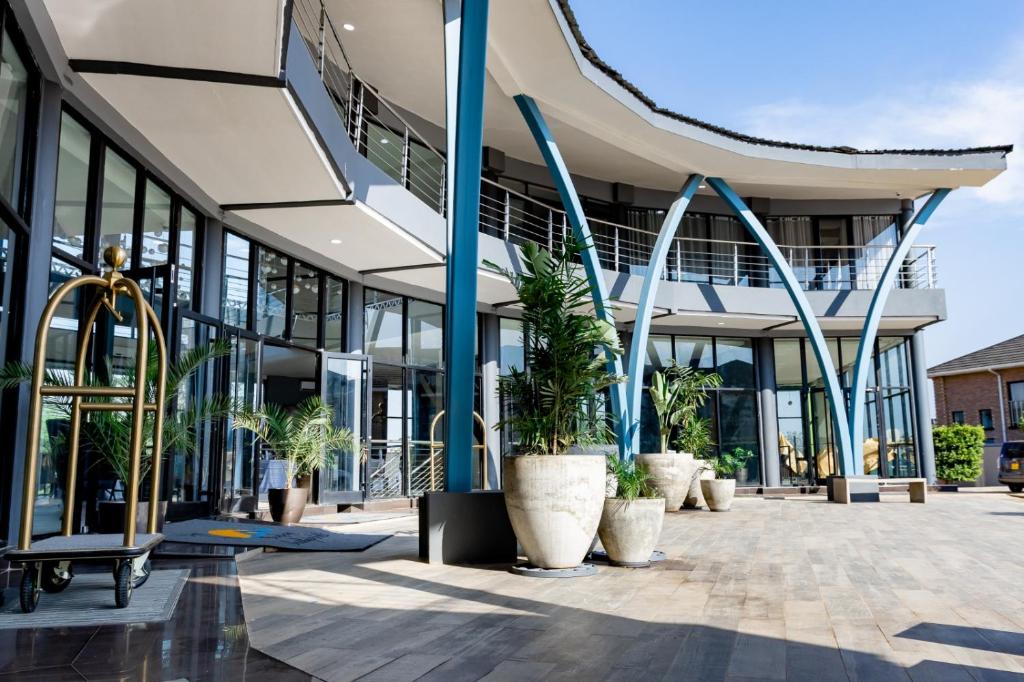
(985, 387)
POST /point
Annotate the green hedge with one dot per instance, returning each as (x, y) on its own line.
(959, 449)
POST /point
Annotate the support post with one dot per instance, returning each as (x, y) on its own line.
(464, 218)
(807, 317)
(769, 412)
(591, 263)
(645, 306)
(923, 433)
(491, 356)
(863, 365)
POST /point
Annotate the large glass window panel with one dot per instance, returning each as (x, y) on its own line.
(849, 351)
(384, 149)
(334, 322)
(511, 341)
(188, 233)
(385, 465)
(872, 445)
(305, 305)
(243, 391)
(795, 459)
(727, 252)
(7, 244)
(118, 206)
(344, 392)
(13, 114)
(72, 186)
(659, 355)
(736, 362)
(190, 467)
(383, 332)
(878, 236)
(425, 402)
(271, 292)
(696, 251)
(426, 174)
(894, 362)
(821, 432)
(897, 413)
(737, 415)
(156, 226)
(695, 351)
(235, 290)
(813, 368)
(788, 363)
(426, 334)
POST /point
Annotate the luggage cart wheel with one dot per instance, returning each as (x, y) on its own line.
(29, 587)
(123, 590)
(55, 576)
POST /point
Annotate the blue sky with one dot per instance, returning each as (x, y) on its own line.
(866, 74)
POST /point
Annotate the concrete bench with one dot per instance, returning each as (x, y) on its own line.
(847, 489)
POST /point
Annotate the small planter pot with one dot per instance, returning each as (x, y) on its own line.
(671, 474)
(630, 530)
(695, 498)
(554, 503)
(718, 493)
(287, 504)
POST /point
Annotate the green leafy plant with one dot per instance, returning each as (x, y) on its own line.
(678, 393)
(305, 439)
(633, 482)
(959, 449)
(726, 464)
(552, 401)
(109, 433)
(695, 436)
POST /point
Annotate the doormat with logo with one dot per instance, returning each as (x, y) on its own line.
(296, 538)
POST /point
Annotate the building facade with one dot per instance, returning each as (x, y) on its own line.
(276, 171)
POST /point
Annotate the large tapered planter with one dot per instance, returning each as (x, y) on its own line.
(671, 474)
(554, 503)
(695, 498)
(629, 530)
(718, 493)
(287, 504)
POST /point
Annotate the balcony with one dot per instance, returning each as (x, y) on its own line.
(380, 133)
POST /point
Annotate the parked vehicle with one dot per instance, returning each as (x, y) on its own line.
(1011, 465)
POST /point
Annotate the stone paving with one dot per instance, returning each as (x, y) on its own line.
(777, 589)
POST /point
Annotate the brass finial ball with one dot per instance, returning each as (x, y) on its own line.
(115, 256)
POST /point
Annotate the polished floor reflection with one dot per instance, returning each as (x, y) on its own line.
(205, 640)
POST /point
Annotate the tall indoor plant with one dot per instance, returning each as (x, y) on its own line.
(554, 499)
(678, 393)
(305, 438)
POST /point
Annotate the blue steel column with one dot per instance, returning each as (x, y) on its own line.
(464, 217)
(645, 307)
(581, 230)
(864, 365)
(807, 317)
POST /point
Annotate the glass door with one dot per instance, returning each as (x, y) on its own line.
(345, 382)
(242, 384)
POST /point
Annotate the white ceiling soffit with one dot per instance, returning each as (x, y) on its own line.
(490, 288)
(238, 36)
(241, 144)
(857, 323)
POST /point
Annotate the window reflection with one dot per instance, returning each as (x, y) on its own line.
(72, 186)
(118, 204)
(235, 290)
(271, 292)
(13, 114)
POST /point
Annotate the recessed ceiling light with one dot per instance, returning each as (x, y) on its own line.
(335, 241)
(383, 140)
(348, 27)
(702, 186)
(721, 324)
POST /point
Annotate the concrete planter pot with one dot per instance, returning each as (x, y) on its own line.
(671, 474)
(718, 493)
(630, 530)
(287, 504)
(695, 498)
(554, 503)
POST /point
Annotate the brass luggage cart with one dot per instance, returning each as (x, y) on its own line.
(47, 563)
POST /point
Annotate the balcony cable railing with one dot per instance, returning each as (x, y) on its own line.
(384, 136)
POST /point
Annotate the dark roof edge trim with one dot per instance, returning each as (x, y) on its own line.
(604, 67)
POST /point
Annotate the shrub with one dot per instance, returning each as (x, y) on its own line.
(958, 452)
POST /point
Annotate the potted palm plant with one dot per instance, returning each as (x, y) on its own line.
(695, 437)
(107, 434)
(677, 393)
(305, 439)
(632, 518)
(719, 492)
(554, 498)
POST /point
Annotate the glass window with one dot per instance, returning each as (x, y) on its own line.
(788, 363)
(187, 235)
(384, 148)
(7, 243)
(156, 226)
(383, 326)
(813, 368)
(985, 419)
(72, 186)
(13, 115)
(695, 352)
(899, 433)
(893, 360)
(659, 355)
(737, 416)
(511, 339)
(118, 207)
(190, 464)
(305, 305)
(849, 346)
(958, 416)
(426, 334)
(426, 174)
(235, 292)
(736, 362)
(334, 323)
(271, 292)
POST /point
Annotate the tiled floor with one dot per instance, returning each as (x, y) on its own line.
(776, 589)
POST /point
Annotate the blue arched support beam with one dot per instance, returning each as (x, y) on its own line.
(645, 307)
(864, 366)
(836, 400)
(581, 230)
(464, 222)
